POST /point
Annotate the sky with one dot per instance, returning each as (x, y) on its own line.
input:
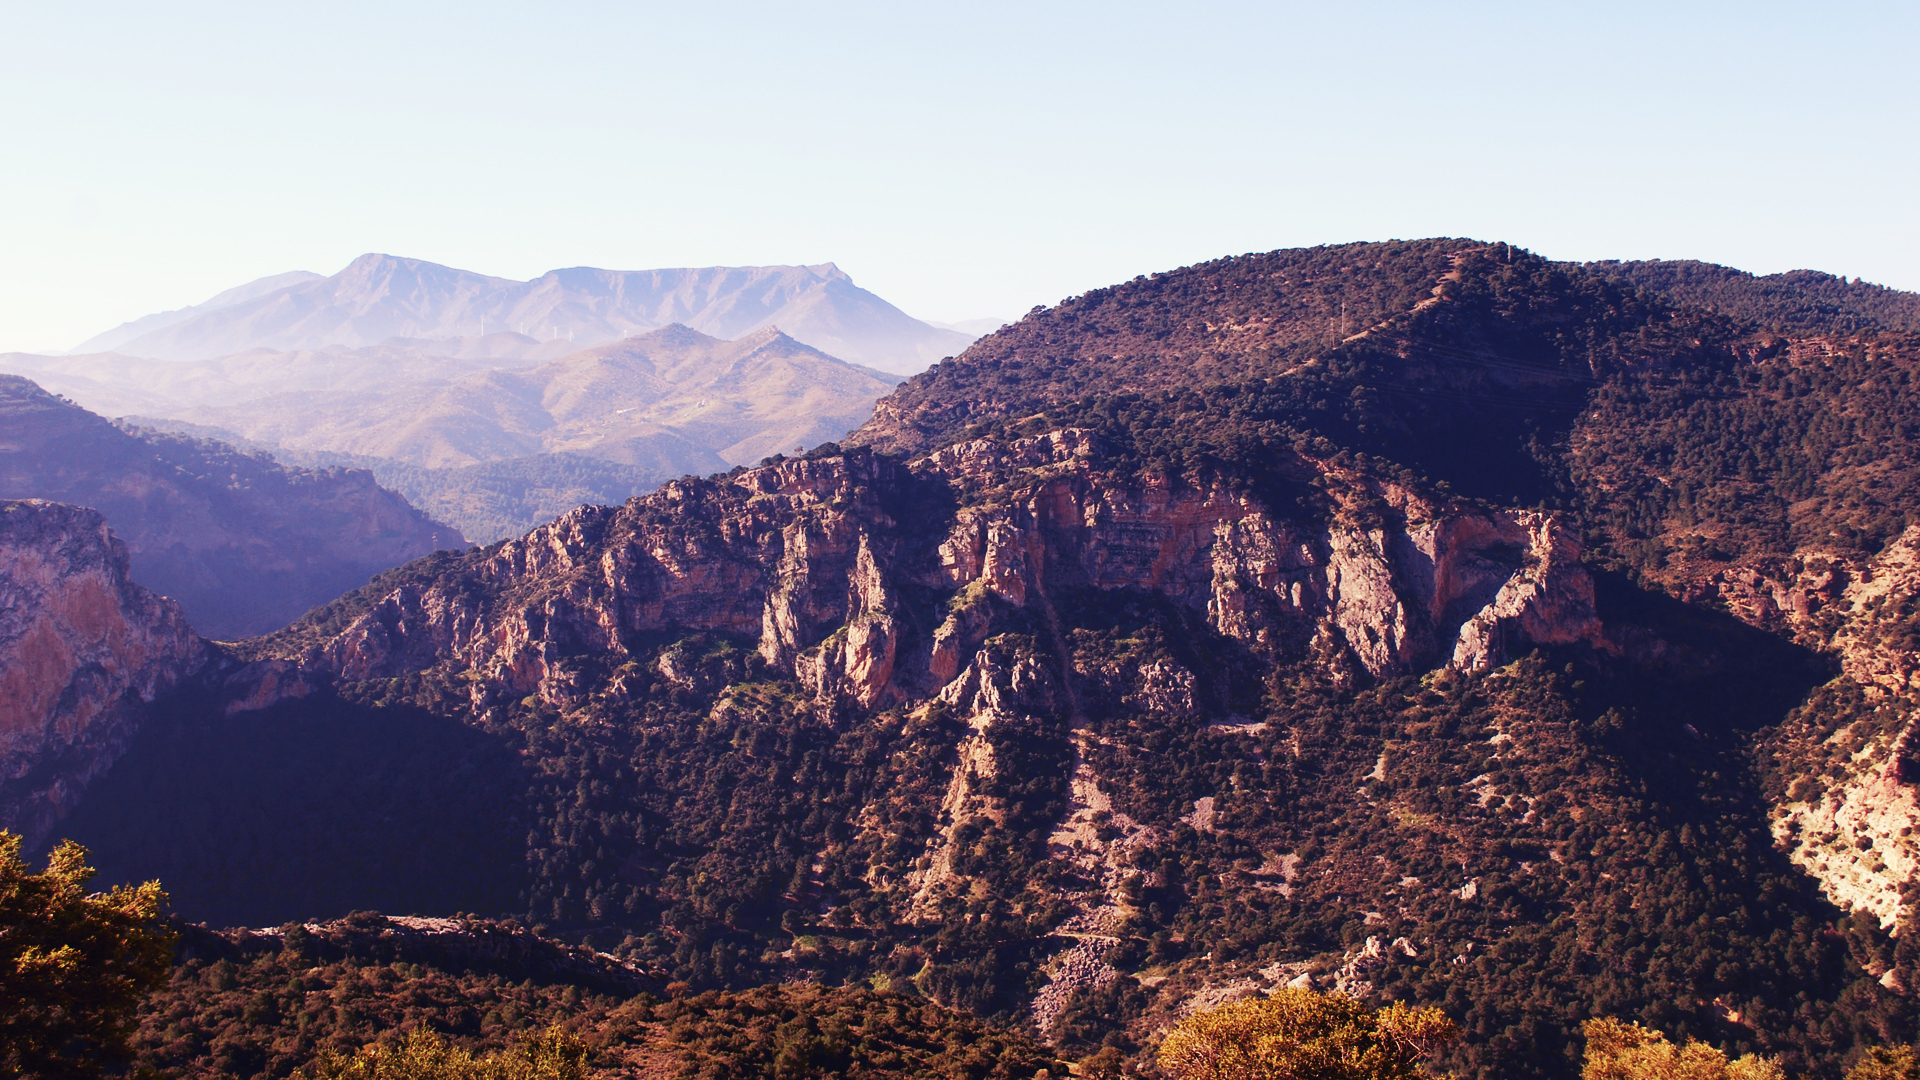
(960, 160)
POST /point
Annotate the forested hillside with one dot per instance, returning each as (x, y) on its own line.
(1430, 621)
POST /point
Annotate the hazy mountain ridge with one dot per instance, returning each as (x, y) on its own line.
(463, 431)
(1223, 629)
(379, 297)
(245, 545)
(128, 331)
(653, 400)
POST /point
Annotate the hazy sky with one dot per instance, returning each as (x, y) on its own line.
(961, 160)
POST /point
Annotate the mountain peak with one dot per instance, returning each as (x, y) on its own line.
(379, 296)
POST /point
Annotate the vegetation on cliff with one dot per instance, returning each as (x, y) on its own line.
(1198, 636)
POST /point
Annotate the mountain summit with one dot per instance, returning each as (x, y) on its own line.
(380, 297)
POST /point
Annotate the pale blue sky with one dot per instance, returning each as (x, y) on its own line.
(959, 160)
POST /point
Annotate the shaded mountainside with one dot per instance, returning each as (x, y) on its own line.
(81, 647)
(1424, 620)
(243, 544)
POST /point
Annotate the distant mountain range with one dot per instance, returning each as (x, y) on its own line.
(494, 434)
(674, 399)
(378, 298)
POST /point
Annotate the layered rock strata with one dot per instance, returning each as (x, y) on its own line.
(815, 561)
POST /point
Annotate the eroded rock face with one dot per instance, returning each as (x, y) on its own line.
(81, 647)
(1855, 832)
(812, 560)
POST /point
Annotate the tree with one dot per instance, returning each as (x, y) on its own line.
(1302, 1035)
(1617, 1051)
(73, 966)
(550, 1055)
(1886, 1063)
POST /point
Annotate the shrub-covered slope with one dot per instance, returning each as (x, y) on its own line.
(1426, 620)
(265, 1003)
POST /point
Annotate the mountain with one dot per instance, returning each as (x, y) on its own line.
(672, 400)
(479, 431)
(1431, 621)
(113, 384)
(380, 297)
(140, 327)
(1798, 301)
(243, 544)
(973, 327)
(81, 647)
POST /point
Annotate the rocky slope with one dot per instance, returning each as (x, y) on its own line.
(242, 543)
(81, 648)
(1425, 620)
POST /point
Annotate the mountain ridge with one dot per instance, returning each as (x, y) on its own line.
(380, 297)
(128, 331)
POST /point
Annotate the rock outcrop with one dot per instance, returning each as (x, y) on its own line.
(1852, 823)
(81, 647)
(811, 560)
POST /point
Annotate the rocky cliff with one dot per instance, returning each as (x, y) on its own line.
(813, 561)
(1847, 806)
(81, 647)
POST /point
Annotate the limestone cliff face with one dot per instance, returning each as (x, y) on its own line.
(816, 562)
(952, 584)
(81, 647)
(1855, 828)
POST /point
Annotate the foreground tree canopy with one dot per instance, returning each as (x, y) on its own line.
(1617, 1051)
(1301, 1035)
(549, 1055)
(73, 965)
